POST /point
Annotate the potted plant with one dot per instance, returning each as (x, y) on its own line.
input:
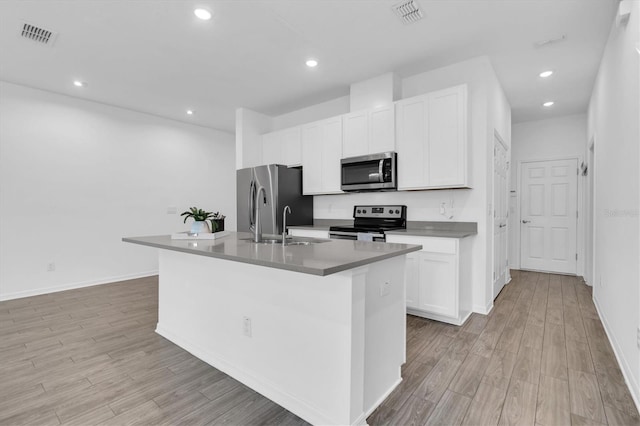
(200, 217)
(217, 222)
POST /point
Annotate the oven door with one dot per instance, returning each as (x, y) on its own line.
(367, 173)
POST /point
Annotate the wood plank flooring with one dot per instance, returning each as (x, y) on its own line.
(90, 356)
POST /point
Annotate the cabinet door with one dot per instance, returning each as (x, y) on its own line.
(312, 159)
(382, 130)
(355, 137)
(447, 137)
(411, 126)
(272, 148)
(292, 147)
(331, 155)
(438, 284)
(412, 280)
(309, 233)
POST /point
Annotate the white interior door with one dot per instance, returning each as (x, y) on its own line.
(549, 216)
(500, 216)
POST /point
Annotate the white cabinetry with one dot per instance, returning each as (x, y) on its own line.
(432, 140)
(368, 132)
(438, 278)
(282, 147)
(309, 233)
(321, 153)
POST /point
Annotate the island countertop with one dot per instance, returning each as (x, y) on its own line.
(319, 258)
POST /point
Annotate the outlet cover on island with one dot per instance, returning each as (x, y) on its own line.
(246, 326)
(385, 289)
(51, 267)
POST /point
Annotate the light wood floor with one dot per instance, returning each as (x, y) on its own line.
(90, 356)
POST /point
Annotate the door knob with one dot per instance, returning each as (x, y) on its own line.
(525, 221)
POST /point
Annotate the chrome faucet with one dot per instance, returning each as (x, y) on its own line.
(284, 224)
(258, 227)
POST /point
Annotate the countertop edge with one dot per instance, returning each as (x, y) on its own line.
(283, 266)
(432, 233)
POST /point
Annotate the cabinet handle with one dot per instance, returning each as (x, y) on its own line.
(525, 221)
(503, 225)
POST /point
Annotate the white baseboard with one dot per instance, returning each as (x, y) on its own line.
(367, 413)
(269, 390)
(631, 382)
(63, 287)
(442, 318)
(484, 310)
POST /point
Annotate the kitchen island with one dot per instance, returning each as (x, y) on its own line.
(317, 328)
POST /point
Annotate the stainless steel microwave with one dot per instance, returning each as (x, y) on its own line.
(375, 172)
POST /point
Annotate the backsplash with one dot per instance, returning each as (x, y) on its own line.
(421, 205)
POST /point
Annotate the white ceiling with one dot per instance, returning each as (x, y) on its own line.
(155, 56)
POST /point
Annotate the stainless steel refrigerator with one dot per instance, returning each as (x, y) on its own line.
(283, 187)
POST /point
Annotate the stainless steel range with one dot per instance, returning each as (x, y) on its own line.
(371, 222)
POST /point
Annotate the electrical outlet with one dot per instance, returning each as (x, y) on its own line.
(51, 267)
(172, 210)
(246, 326)
(385, 289)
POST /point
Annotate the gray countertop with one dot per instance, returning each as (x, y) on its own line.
(438, 229)
(322, 258)
(414, 228)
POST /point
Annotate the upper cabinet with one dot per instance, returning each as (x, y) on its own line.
(321, 153)
(368, 132)
(282, 147)
(432, 140)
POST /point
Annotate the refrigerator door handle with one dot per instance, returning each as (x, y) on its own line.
(252, 190)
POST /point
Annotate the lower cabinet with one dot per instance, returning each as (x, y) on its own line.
(438, 278)
(309, 233)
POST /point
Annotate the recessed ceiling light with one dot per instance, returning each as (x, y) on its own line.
(190, 112)
(545, 74)
(203, 14)
(548, 104)
(312, 63)
(79, 83)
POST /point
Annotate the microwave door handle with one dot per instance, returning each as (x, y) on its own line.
(380, 167)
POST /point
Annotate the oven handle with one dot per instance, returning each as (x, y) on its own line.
(380, 175)
(352, 234)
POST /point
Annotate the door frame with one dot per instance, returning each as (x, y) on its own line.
(507, 148)
(590, 213)
(580, 223)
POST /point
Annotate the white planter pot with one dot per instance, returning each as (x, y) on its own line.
(200, 227)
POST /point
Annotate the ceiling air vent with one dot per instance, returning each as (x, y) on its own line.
(38, 34)
(409, 11)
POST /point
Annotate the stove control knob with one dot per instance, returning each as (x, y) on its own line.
(359, 211)
(364, 210)
(390, 211)
(397, 211)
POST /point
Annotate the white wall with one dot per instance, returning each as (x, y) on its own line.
(614, 124)
(250, 126)
(553, 138)
(469, 205)
(312, 113)
(77, 176)
(375, 92)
